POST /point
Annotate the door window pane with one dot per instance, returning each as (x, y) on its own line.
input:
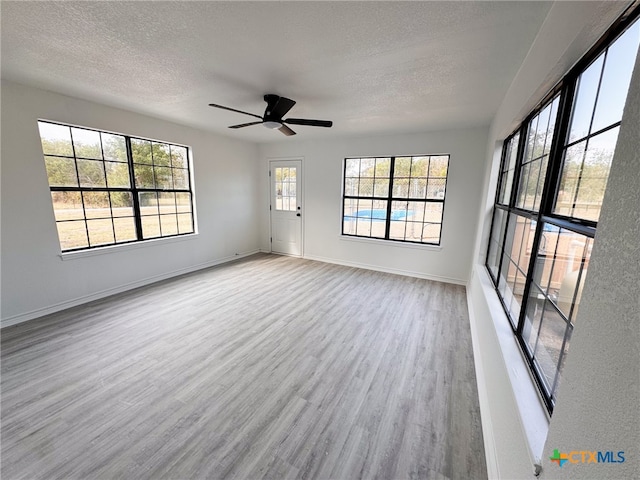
(285, 188)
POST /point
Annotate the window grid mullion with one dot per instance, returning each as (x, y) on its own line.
(501, 180)
(134, 191)
(498, 251)
(501, 250)
(406, 205)
(193, 217)
(552, 181)
(593, 134)
(387, 228)
(501, 170)
(553, 386)
(106, 183)
(564, 111)
(522, 143)
(75, 162)
(344, 197)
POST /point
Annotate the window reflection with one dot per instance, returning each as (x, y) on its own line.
(601, 92)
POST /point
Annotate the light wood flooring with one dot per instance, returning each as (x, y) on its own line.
(270, 367)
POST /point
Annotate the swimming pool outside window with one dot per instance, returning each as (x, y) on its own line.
(395, 198)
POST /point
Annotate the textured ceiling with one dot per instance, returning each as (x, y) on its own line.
(370, 67)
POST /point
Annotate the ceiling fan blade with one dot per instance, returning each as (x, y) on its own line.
(234, 110)
(311, 123)
(242, 125)
(277, 107)
(286, 130)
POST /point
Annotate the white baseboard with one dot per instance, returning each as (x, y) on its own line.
(40, 312)
(397, 271)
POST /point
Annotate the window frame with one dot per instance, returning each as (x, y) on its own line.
(390, 198)
(545, 215)
(134, 190)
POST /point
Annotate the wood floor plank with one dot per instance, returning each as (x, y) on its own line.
(270, 367)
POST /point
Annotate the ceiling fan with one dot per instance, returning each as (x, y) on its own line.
(277, 107)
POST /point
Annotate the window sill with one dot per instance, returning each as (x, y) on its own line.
(391, 243)
(125, 247)
(534, 417)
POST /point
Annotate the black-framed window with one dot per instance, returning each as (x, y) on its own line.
(395, 198)
(109, 189)
(508, 167)
(535, 158)
(552, 180)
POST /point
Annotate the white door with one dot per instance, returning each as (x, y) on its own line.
(286, 206)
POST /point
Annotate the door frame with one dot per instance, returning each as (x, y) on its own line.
(299, 197)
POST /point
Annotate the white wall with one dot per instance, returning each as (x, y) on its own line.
(322, 167)
(36, 281)
(599, 405)
(514, 422)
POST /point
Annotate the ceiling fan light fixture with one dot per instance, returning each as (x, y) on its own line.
(277, 108)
